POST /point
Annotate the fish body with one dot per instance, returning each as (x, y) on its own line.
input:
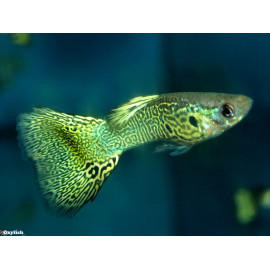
(74, 155)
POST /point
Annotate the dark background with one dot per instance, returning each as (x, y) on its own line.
(148, 193)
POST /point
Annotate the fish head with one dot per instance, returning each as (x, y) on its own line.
(221, 112)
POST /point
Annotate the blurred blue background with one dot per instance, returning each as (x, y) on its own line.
(148, 194)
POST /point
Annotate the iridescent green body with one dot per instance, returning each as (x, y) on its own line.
(74, 155)
(164, 117)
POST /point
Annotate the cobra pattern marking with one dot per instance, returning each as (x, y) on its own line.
(160, 120)
(71, 165)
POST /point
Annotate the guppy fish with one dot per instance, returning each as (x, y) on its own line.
(73, 155)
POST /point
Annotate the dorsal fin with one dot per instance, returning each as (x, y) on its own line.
(122, 114)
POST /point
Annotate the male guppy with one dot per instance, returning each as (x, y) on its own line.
(73, 155)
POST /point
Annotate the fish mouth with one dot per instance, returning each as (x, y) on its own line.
(246, 104)
(213, 127)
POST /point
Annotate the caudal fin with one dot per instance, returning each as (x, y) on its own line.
(69, 163)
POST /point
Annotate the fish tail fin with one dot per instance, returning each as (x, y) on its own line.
(70, 156)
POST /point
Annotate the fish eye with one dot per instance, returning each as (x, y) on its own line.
(227, 110)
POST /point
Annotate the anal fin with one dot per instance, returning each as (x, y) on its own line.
(177, 149)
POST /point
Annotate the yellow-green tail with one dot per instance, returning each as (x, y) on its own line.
(70, 154)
